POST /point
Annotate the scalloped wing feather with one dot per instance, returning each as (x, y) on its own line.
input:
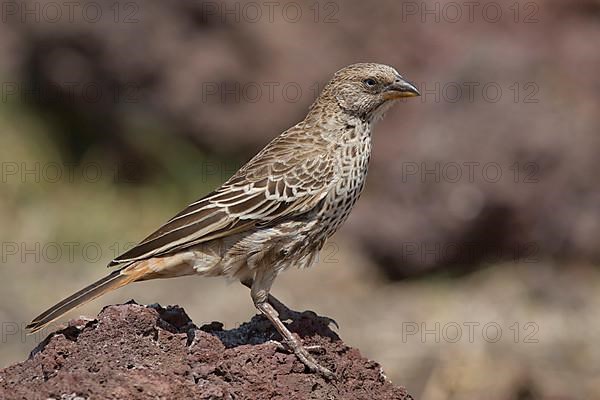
(287, 178)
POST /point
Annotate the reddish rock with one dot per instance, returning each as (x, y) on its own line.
(139, 352)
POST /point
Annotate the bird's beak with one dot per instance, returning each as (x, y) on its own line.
(401, 88)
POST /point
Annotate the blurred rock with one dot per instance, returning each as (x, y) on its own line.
(137, 352)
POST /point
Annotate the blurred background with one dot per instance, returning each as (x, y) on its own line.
(469, 269)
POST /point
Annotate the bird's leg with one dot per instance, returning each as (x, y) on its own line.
(285, 313)
(260, 293)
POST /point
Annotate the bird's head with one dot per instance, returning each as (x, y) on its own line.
(367, 90)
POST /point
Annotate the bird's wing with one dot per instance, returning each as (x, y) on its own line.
(287, 178)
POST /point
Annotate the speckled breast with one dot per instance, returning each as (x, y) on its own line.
(353, 155)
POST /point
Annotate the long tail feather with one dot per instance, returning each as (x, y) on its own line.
(111, 282)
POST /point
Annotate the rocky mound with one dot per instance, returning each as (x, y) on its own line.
(133, 351)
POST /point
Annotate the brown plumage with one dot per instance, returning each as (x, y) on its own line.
(277, 210)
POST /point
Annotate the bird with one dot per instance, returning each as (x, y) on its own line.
(276, 211)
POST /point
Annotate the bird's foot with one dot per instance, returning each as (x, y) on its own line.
(303, 354)
(291, 341)
(307, 359)
(315, 348)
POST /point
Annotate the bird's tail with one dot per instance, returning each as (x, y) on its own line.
(115, 280)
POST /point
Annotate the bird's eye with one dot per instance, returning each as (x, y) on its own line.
(370, 82)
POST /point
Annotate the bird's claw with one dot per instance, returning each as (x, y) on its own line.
(303, 354)
(315, 348)
(280, 346)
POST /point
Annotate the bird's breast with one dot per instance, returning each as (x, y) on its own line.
(352, 161)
